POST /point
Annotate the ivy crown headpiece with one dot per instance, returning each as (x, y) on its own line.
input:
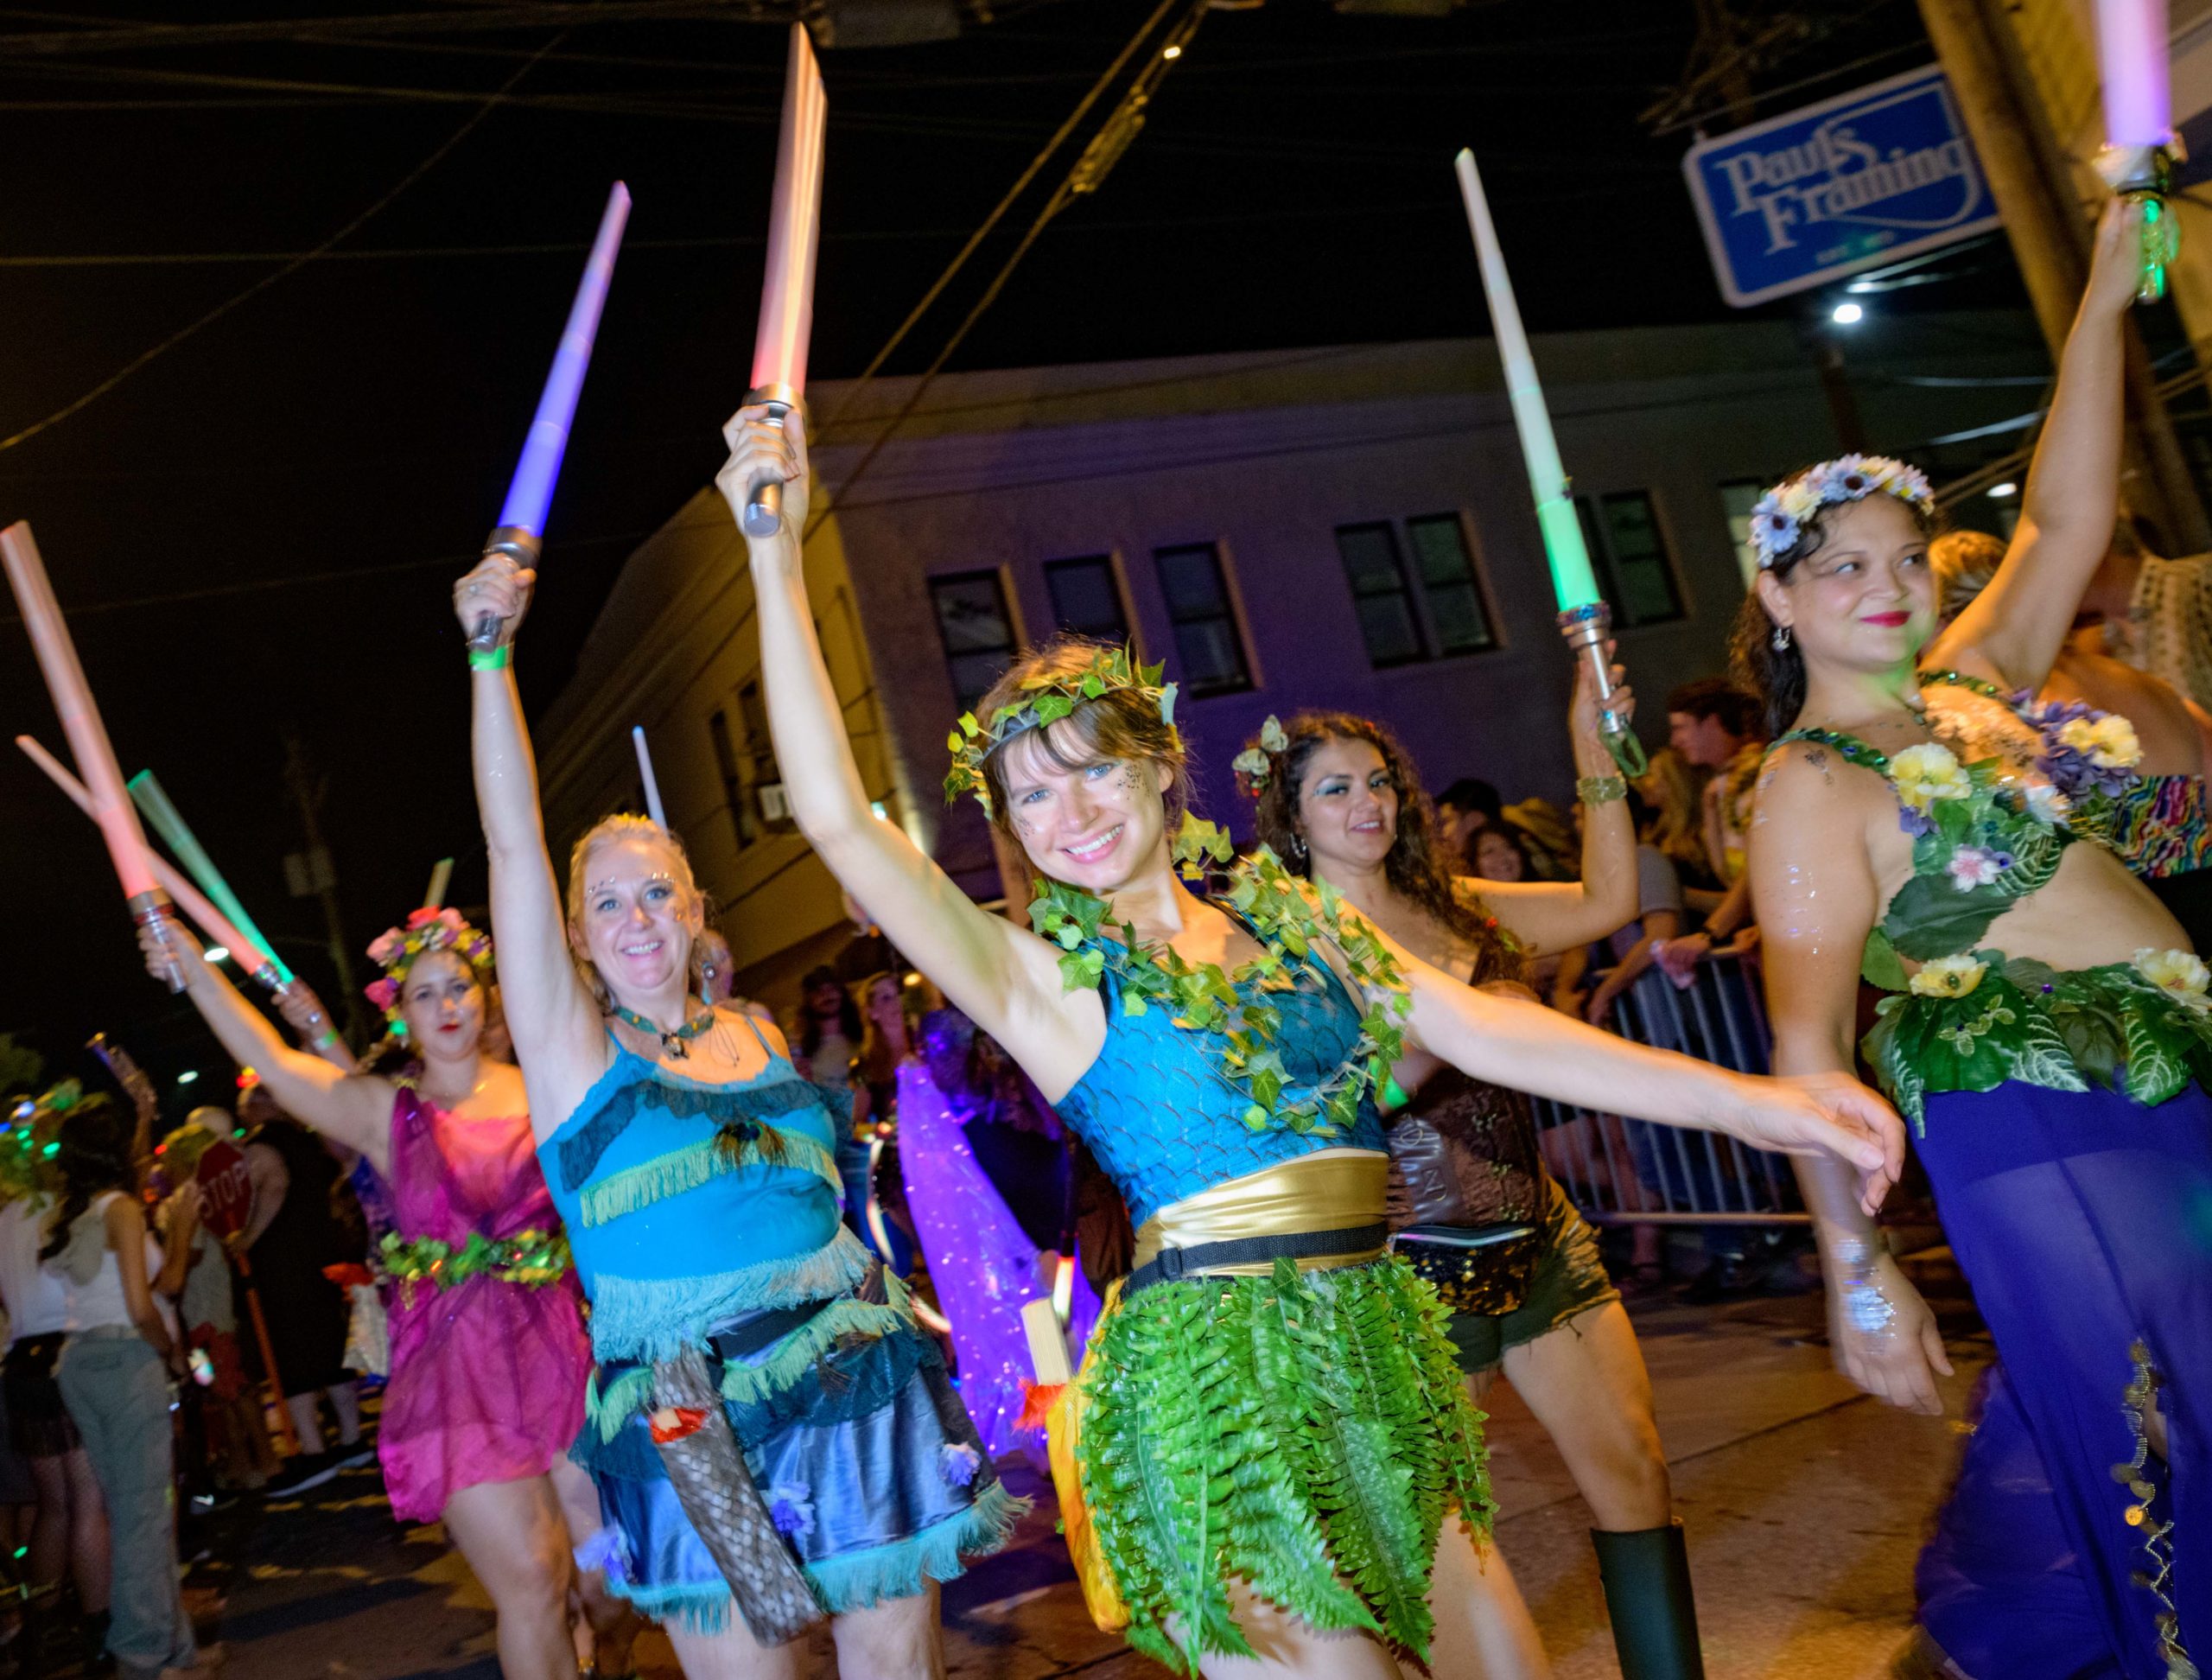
(1779, 520)
(1046, 699)
(397, 949)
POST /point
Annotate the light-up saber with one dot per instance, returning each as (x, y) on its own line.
(440, 874)
(787, 289)
(645, 773)
(2140, 146)
(521, 528)
(154, 803)
(80, 721)
(1583, 618)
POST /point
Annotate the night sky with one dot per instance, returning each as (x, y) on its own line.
(255, 532)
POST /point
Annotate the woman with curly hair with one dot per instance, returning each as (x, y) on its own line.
(489, 1357)
(1274, 1436)
(1341, 801)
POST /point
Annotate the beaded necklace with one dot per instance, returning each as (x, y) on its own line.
(674, 1040)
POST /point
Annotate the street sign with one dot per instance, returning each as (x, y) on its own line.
(225, 1189)
(1865, 178)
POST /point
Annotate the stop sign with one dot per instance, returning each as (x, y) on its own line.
(225, 1189)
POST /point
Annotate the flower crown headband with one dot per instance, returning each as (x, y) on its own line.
(1256, 766)
(1046, 700)
(397, 949)
(1780, 517)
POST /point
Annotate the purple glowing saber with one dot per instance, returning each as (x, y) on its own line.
(2137, 162)
(521, 516)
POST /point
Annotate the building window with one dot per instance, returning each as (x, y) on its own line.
(1207, 642)
(1381, 599)
(733, 791)
(764, 779)
(977, 631)
(1086, 600)
(1737, 498)
(1459, 618)
(1630, 552)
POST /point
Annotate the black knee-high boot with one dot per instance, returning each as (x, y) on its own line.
(1646, 1573)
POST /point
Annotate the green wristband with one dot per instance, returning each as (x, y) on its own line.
(488, 658)
(1600, 790)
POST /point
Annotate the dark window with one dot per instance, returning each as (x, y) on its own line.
(1207, 643)
(1631, 554)
(977, 631)
(733, 791)
(1379, 599)
(1086, 600)
(1459, 620)
(760, 760)
(1737, 498)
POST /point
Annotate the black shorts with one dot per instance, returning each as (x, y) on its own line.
(38, 1423)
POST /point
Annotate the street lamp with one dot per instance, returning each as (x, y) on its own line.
(2000, 491)
(1847, 315)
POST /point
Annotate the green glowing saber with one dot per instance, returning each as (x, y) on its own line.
(146, 793)
(1583, 618)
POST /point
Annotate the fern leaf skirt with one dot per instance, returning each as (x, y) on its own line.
(1306, 1432)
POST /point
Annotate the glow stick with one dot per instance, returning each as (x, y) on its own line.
(787, 287)
(164, 816)
(440, 874)
(646, 770)
(2137, 161)
(529, 492)
(250, 953)
(80, 723)
(1583, 618)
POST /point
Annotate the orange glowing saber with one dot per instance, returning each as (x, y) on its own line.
(80, 723)
(787, 291)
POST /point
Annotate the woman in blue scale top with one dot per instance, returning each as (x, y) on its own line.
(773, 1440)
(1275, 1431)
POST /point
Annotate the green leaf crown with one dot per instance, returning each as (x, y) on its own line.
(1046, 699)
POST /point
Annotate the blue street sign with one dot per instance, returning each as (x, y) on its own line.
(1863, 179)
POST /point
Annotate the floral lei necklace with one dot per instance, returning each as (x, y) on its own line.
(1291, 917)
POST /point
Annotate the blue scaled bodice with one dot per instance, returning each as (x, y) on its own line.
(686, 1202)
(1165, 1124)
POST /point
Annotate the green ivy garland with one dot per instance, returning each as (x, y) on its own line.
(1050, 699)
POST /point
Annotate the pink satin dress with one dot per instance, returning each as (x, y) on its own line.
(487, 1377)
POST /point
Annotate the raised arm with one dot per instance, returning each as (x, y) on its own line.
(1817, 897)
(1551, 916)
(2014, 628)
(350, 1108)
(554, 1022)
(1005, 979)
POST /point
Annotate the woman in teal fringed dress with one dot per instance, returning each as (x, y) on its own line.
(772, 1439)
(1275, 1432)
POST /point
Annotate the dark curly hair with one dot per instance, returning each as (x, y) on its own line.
(94, 1157)
(1413, 868)
(1777, 675)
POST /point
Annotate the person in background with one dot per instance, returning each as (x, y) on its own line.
(2163, 830)
(1499, 853)
(825, 1041)
(1674, 823)
(69, 1534)
(115, 1372)
(290, 1237)
(2156, 613)
(1463, 809)
(718, 976)
(1714, 726)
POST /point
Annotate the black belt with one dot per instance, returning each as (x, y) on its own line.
(765, 1329)
(1170, 1264)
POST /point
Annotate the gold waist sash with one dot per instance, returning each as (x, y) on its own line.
(1328, 1190)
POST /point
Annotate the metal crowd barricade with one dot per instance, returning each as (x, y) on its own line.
(1620, 1171)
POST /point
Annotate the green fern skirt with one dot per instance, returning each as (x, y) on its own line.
(1307, 1432)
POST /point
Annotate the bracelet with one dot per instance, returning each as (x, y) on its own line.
(1600, 790)
(489, 659)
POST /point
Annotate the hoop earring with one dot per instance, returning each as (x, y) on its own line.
(1780, 639)
(1298, 845)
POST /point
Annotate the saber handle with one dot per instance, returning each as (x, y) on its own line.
(524, 548)
(764, 505)
(153, 909)
(1586, 629)
(2144, 175)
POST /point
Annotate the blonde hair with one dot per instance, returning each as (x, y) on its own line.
(1674, 794)
(1965, 562)
(608, 831)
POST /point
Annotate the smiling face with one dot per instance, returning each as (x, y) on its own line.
(1864, 600)
(885, 1000)
(1347, 805)
(640, 916)
(1096, 824)
(442, 1004)
(1496, 858)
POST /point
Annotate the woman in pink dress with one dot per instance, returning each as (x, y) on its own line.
(489, 1354)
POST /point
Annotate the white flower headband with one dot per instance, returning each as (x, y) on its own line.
(1779, 520)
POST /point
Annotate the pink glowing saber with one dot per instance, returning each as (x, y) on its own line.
(787, 291)
(529, 492)
(2138, 158)
(80, 721)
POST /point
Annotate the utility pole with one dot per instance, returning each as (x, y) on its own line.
(2050, 244)
(315, 877)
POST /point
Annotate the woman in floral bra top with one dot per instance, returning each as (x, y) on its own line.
(2044, 1029)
